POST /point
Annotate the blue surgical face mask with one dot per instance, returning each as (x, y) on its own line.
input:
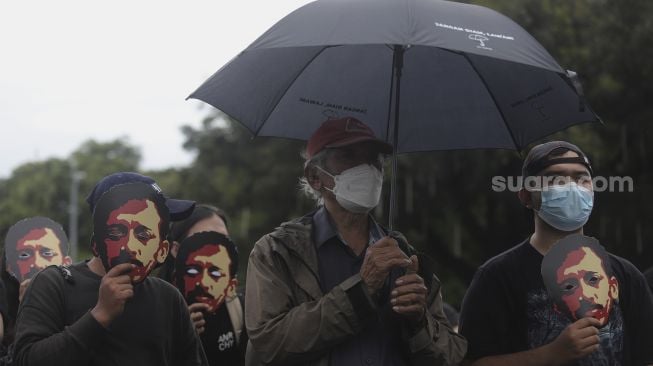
(566, 207)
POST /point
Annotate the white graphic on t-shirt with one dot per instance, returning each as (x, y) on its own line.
(226, 341)
(545, 324)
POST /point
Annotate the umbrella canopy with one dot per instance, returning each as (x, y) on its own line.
(472, 78)
(423, 74)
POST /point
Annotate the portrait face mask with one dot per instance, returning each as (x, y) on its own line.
(130, 223)
(357, 189)
(205, 269)
(33, 244)
(576, 277)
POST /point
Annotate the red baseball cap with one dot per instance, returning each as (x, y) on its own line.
(343, 132)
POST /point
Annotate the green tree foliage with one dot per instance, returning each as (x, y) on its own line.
(447, 206)
(448, 210)
(608, 42)
(43, 188)
(254, 181)
(35, 189)
(96, 160)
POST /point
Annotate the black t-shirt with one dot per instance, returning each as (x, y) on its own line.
(219, 339)
(507, 310)
(3, 302)
(11, 289)
(55, 327)
(4, 307)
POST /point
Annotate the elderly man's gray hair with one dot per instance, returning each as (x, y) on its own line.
(318, 160)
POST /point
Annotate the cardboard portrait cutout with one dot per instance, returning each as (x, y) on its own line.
(578, 277)
(130, 225)
(205, 269)
(32, 244)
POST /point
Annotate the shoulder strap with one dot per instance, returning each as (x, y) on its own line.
(68, 287)
(235, 310)
(66, 273)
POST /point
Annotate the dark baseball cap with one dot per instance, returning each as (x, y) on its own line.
(179, 209)
(538, 158)
(343, 132)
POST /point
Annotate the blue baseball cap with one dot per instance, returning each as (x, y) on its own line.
(179, 209)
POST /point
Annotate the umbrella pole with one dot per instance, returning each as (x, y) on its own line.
(398, 63)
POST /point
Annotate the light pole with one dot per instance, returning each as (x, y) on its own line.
(73, 208)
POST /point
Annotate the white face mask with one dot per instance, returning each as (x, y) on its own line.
(357, 189)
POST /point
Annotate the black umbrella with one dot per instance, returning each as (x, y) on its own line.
(423, 74)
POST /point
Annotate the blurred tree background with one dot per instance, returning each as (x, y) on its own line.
(447, 206)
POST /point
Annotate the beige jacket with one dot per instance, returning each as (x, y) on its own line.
(291, 322)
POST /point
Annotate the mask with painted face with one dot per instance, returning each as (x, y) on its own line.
(578, 277)
(32, 244)
(205, 269)
(130, 225)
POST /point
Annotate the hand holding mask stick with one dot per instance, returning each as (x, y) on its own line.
(577, 274)
(115, 289)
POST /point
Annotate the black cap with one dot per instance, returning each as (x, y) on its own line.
(538, 158)
(179, 209)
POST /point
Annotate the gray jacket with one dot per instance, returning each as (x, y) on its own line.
(291, 322)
